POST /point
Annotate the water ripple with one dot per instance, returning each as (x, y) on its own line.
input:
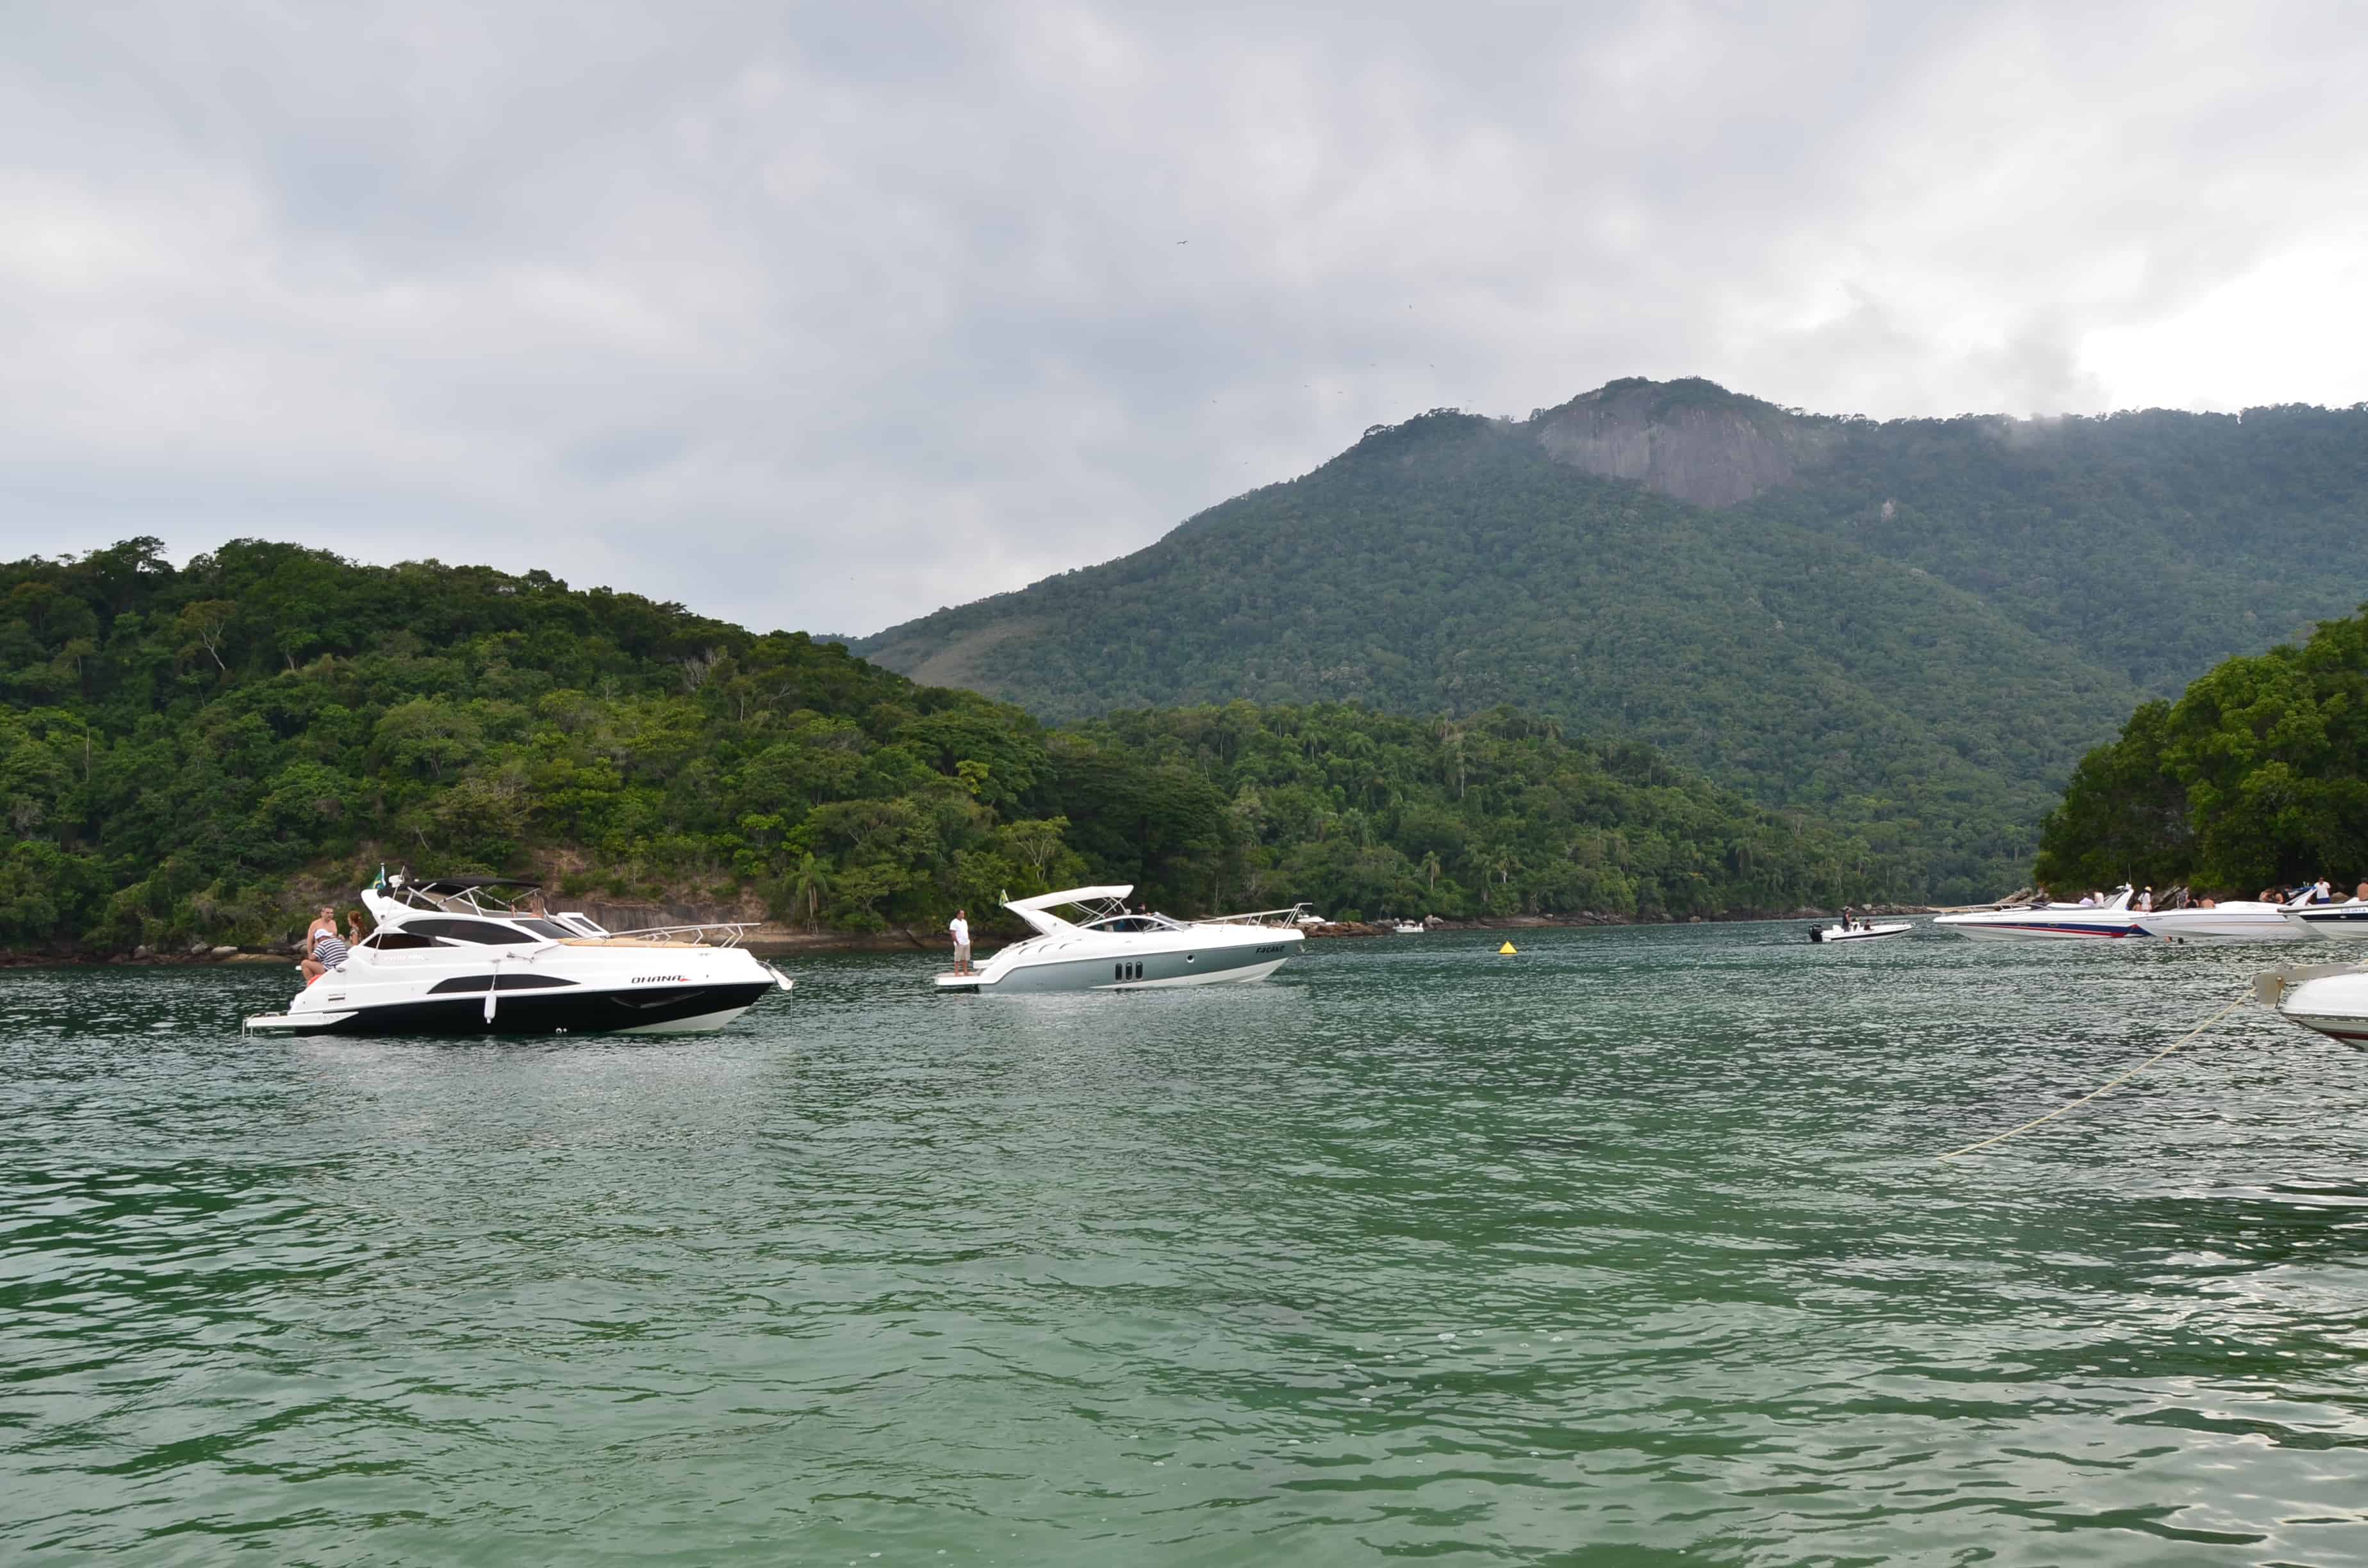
(1632, 1242)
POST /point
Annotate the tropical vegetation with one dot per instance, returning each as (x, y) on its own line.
(2256, 776)
(186, 753)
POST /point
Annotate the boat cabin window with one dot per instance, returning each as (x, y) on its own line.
(483, 932)
(387, 941)
(550, 928)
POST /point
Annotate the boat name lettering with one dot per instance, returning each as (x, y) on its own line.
(661, 980)
(1276, 949)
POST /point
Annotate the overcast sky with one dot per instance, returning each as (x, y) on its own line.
(823, 316)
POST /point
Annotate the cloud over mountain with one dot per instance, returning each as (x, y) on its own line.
(824, 315)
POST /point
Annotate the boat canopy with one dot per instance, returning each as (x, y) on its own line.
(467, 884)
(1104, 902)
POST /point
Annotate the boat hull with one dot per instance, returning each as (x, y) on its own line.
(2225, 926)
(683, 1009)
(2038, 928)
(2335, 1005)
(1151, 971)
(2340, 921)
(1867, 934)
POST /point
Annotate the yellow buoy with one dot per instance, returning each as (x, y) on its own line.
(1507, 948)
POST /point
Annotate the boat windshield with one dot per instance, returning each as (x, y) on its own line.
(1145, 922)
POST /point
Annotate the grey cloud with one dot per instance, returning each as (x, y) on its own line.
(825, 315)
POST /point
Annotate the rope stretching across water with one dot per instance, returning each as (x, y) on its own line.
(2239, 1001)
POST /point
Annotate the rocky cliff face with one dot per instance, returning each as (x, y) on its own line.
(1689, 439)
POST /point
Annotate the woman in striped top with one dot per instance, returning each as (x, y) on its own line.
(327, 948)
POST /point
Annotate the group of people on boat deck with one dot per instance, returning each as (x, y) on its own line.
(2143, 901)
(325, 949)
(2320, 890)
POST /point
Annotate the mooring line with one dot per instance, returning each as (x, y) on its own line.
(2241, 998)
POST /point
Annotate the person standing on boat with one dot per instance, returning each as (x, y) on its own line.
(2145, 901)
(959, 928)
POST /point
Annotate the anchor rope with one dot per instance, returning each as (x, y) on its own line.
(2238, 1001)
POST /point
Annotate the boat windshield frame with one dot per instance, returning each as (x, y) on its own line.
(1146, 920)
(465, 895)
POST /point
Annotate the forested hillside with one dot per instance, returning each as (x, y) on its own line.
(1911, 629)
(184, 751)
(2257, 775)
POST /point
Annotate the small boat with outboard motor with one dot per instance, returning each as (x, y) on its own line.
(2238, 920)
(1101, 945)
(1855, 929)
(2111, 920)
(479, 955)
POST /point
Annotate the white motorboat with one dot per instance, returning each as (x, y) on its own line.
(2345, 922)
(1109, 948)
(2239, 920)
(2113, 919)
(2330, 998)
(1859, 931)
(1408, 928)
(470, 955)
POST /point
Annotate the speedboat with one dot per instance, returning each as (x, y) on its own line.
(1408, 928)
(477, 956)
(2239, 920)
(2330, 998)
(2049, 922)
(1859, 931)
(1109, 948)
(2345, 922)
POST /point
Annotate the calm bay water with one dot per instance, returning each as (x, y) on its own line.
(1625, 1249)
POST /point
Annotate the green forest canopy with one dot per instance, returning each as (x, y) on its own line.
(186, 753)
(2256, 776)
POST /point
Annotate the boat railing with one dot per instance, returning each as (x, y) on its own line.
(710, 933)
(1258, 917)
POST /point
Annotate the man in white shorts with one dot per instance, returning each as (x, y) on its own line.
(960, 929)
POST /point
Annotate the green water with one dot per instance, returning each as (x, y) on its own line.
(1624, 1250)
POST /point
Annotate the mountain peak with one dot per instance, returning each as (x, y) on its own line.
(1689, 438)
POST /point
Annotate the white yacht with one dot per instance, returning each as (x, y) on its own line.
(1408, 928)
(2239, 920)
(1108, 948)
(472, 955)
(2049, 922)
